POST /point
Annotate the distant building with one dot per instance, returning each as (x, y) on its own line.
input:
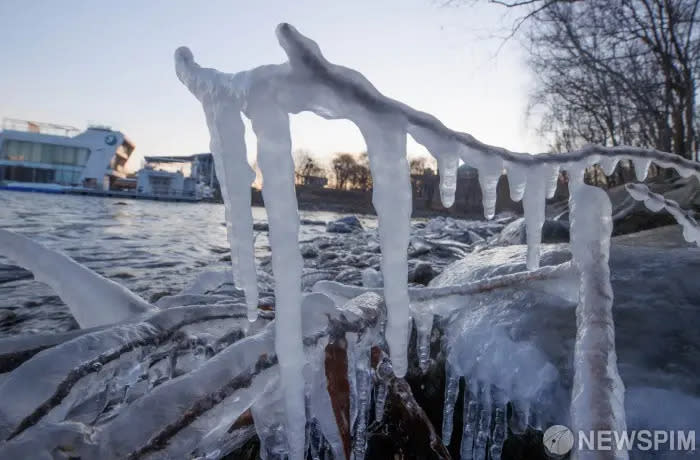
(189, 176)
(42, 155)
(315, 181)
(204, 173)
(47, 153)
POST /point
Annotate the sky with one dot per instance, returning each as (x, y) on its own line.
(79, 62)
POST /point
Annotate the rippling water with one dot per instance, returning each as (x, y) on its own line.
(153, 248)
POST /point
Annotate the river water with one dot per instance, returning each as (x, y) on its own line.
(154, 248)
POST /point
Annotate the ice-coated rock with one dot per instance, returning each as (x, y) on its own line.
(553, 231)
(344, 225)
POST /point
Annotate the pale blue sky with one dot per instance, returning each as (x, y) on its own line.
(110, 62)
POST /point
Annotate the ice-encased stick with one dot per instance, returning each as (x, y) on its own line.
(597, 401)
(656, 202)
(93, 300)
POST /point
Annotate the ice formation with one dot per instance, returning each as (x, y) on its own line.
(308, 81)
(656, 202)
(80, 288)
(208, 365)
(597, 402)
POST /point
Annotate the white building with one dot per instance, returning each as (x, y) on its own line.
(164, 176)
(43, 155)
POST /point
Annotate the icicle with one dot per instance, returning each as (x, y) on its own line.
(499, 435)
(351, 353)
(471, 412)
(520, 417)
(608, 165)
(363, 387)
(379, 401)
(271, 127)
(490, 170)
(533, 205)
(447, 167)
(517, 180)
(575, 172)
(315, 441)
(597, 401)
(391, 197)
(424, 329)
(234, 174)
(451, 391)
(482, 437)
(267, 415)
(641, 168)
(551, 177)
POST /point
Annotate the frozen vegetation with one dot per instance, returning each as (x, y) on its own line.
(313, 377)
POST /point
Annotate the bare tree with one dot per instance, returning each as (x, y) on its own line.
(418, 166)
(343, 165)
(615, 71)
(361, 175)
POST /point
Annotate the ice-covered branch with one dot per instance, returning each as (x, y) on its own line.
(93, 300)
(656, 202)
(189, 414)
(597, 401)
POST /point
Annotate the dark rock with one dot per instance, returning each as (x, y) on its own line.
(553, 231)
(326, 256)
(157, 295)
(308, 251)
(344, 225)
(311, 222)
(261, 227)
(338, 227)
(641, 219)
(349, 276)
(422, 273)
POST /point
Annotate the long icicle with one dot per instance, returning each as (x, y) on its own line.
(391, 197)
(222, 112)
(235, 179)
(271, 127)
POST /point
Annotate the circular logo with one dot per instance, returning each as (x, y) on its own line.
(558, 440)
(110, 139)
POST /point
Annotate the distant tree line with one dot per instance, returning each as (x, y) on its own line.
(346, 171)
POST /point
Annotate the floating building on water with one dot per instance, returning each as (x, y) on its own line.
(188, 176)
(45, 156)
